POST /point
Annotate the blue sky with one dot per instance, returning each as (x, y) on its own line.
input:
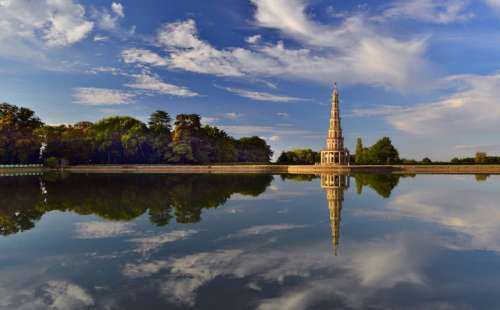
(423, 72)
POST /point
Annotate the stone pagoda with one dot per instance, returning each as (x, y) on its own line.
(335, 153)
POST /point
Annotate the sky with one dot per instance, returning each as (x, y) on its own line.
(425, 73)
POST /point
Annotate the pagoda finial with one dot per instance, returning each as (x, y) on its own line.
(335, 90)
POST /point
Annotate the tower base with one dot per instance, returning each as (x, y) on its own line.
(337, 158)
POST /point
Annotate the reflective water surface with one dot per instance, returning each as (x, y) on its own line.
(128, 241)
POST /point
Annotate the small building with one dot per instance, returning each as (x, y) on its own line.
(335, 153)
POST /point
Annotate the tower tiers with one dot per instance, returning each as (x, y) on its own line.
(335, 153)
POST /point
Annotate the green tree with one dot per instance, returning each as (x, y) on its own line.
(18, 141)
(160, 136)
(253, 149)
(298, 157)
(160, 121)
(382, 153)
(120, 139)
(481, 158)
(359, 155)
(187, 127)
(426, 160)
(382, 184)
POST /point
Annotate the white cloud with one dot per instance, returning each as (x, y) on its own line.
(262, 96)
(474, 215)
(188, 53)
(101, 96)
(100, 38)
(108, 19)
(97, 70)
(253, 39)
(189, 273)
(353, 52)
(438, 12)
(263, 229)
(233, 115)
(274, 138)
(152, 83)
(28, 28)
(65, 295)
(142, 56)
(143, 270)
(361, 270)
(97, 230)
(207, 120)
(117, 8)
(146, 245)
(472, 107)
(282, 114)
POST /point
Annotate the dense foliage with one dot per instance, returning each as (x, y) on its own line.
(123, 139)
(299, 157)
(18, 144)
(381, 153)
(479, 158)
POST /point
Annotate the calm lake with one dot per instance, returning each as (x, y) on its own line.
(133, 241)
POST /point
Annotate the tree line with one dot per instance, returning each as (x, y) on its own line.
(122, 139)
(381, 153)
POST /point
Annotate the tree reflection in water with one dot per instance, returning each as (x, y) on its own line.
(381, 183)
(120, 197)
(124, 197)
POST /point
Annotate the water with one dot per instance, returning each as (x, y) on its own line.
(249, 242)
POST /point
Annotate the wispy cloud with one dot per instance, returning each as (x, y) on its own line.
(108, 18)
(233, 115)
(102, 96)
(346, 51)
(262, 96)
(437, 12)
(152, 83)
(143, 270)
(142, 56)
(263, 229)
(146, 245)
(97, 230)
(471, 107)
(66, 295)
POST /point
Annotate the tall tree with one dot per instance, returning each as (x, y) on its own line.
(161, 136)
(160, 121)
(359, 155)
(481, 158)
(18, 141)
(383, 152)
(254, 149)
(120, 139)
(187, 127)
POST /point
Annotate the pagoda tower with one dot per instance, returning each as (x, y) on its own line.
(335, 153)
(334, 186)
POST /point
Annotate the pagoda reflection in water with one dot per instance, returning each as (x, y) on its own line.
(335, 185)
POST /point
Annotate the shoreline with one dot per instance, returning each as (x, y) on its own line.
(292, 169)
(267, 168)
